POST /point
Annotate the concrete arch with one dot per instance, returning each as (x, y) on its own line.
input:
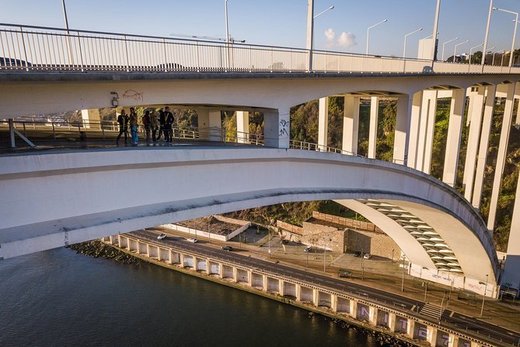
(74, 197)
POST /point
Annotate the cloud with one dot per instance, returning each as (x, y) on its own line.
(330, 35)
(347, 40)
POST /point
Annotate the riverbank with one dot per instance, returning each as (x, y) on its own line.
(99, 249)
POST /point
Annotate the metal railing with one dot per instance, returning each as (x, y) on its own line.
(35, 48)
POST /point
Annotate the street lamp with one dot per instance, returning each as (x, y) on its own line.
(226, 19)
(65, 15)
(368, 32)
(406, 37)
(331, 7)
(470, 52)
(514, 32)
(455, 48)
(484, 47)
(310, 29)
(444, 45)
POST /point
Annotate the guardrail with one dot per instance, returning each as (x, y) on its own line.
(35, 48)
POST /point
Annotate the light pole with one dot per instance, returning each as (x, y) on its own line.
(310, 31)
(484, 297)
(65, 16)
(331, 7)
(455, 48)
(514, 32)
(368, 33)
(406, 37)
(484, 47)
(444, 46)
(226, 19)
(436, 29)
(470, 52)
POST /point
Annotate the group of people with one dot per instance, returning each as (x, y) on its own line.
(154, 125)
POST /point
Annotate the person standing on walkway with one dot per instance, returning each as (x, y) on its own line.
(122, 119)
(133, 126)
(162, 122)
(154, 122)
(147, 123)
(168, 125)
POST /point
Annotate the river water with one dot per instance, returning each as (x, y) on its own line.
(60, 298)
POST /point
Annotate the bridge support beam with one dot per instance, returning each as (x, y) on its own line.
(372, 135)
(401, 129)
(502, 153)
(511, 275)
(413, 129)
(350, 124)
(483, 145)
(277, 128)
(426, 130)
(91, 119)
(323, 124)
(477, 102)
(451, 158)
(210, 125)
(242, 126)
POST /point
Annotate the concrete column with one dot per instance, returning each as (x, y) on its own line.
(334, 302)
(501, 156)
(473, 141)
(316, 297)
(170, 257)
(298, 292)
(242, 126)
(517, 121)
(265, 286)
(250, 278)
(277, 128)
(511, 274)
(323, 124)
(453, 341)
(431, 335)
(119, 240)
(410, 328)
(391, 321)
(281, 287)
(372, 315)
(413, 129)
(427, 128)
(181, 261)
(210, 125)
(451, 158)
(91, 119)
(353, 308)
(208, 267)
(372, 135)
(483, 146)
(404, 107)
(235, 274)
(350, 124)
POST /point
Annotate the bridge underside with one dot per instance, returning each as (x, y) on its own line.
(56, 199)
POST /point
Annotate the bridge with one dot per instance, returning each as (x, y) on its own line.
(50, 70)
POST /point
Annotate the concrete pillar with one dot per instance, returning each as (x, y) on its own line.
(334, 302)
(391, 321)
(119, 240)
(298, 292)
(511, 274)
(323, 124)
(316, 297)
(413, 129)
(451, 158)
(483, 146)
(91, 119)
(426, 131)
(181, 262)
(147, 250)
(473, 140)
(410, 328)
(501, 155)
(431, 335)
(235, 274)
(250, 278)
(208, 267)
(350, 124)
(372, 135)
(277, 128)
(372, 315)
(353, 308)
(265, 283)
(453, 341)
(281, 287)
(170, 257)
(210, 125)
(404, 107)
(242, 126)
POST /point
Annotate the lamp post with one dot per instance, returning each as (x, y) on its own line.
(484, 47)
(484, 297)
(470, 52)
(226, 20)
(310, 31)
(436, 30)
(331, 7)
(444, 46)
(406, 37)
(514, 32)
(455, 48)
(65, 16)
(368, 33)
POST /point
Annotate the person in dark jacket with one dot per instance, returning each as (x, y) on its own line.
(168, 125)
(122, 119)
(162, 121)
(147, 124)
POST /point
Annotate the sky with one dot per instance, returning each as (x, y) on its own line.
(283, 22)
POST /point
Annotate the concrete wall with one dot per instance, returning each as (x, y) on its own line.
(374, 243)
(323, 236)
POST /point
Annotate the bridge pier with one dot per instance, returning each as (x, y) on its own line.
(413, 129)
(210, 125)
(372, 134)
(323, 124)
(426, 130)
(91, 118)
(277, 127)
(451, 157)
(404, 108)
(350, 124)
(242, 126)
